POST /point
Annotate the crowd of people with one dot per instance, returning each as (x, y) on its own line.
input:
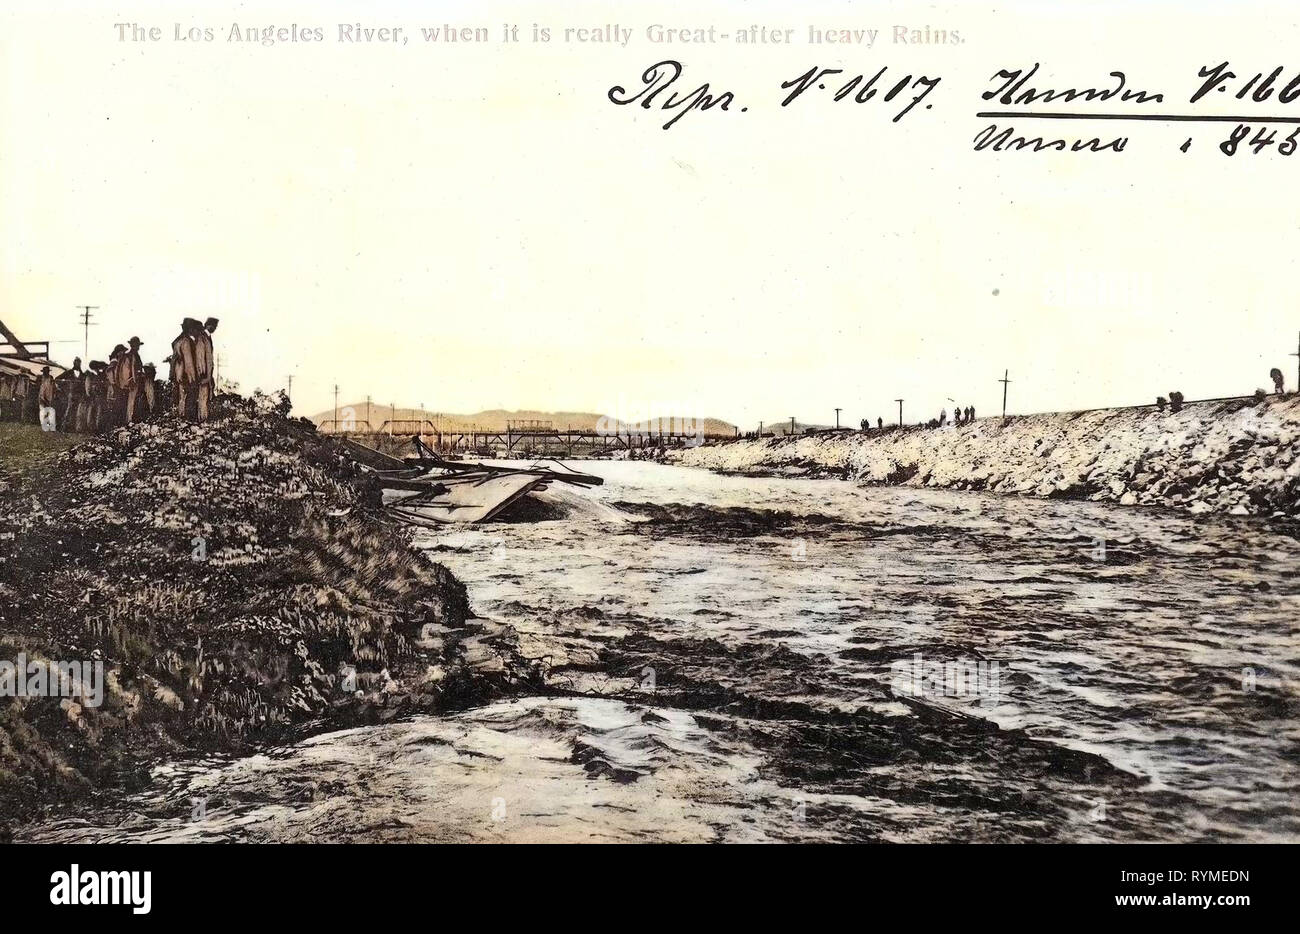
(960, 416)
(120, 391)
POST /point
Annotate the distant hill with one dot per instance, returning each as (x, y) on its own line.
(781, 426)
(494, 419)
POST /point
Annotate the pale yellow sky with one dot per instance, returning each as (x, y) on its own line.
(474, 226)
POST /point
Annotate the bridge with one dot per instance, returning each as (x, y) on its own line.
(516, 438)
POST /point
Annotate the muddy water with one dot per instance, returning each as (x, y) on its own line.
(785, 659)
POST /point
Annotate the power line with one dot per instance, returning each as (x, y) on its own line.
(85, 323)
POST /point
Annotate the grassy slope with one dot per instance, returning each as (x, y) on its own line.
(24, 448)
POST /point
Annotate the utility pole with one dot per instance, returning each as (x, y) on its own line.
(1004, 381)
(760, 429)
(289, 391)
(837, 419)
(392, 406)
(1297, 363)
(336, 407)
(85, 323)
(369, 427)
(791, 424)
(900, 412)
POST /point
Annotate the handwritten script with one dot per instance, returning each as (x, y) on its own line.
(1115, 100)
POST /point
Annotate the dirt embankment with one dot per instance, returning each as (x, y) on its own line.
(239, 586)
(1237, 456)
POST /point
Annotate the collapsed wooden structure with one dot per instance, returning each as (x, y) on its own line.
(426, 489)
(24, 360)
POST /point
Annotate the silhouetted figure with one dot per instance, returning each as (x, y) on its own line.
(73, 395)
(183, 374)
(970, 413)
(131, 378)
(1161, 402)
(45, 394)
(7, 395)
(97, 390)
(1278, 381)
(205, 367)
(880, 422)
(31, 408)
(1175, 401)
(86, 417)
(114, 400)
(150, 389)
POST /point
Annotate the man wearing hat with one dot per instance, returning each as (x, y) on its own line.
(183, 374)
(45, 391)
(71, 383)
(112, 387)
(96, 392)
(205, 366)
(130, 375)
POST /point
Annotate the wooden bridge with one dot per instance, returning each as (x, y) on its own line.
(516, 439)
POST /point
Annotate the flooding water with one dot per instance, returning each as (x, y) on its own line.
(791, 659)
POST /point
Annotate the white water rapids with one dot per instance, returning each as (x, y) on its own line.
(727, 653)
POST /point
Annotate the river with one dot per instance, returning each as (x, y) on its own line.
(750, 659)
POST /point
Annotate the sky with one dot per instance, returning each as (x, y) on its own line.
(475, 225)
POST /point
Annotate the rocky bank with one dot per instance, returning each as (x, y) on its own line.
(1235, 456)
(240, 586)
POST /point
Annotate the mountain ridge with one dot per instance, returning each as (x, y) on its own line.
(498, 419)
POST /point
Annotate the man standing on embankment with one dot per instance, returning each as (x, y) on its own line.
(182, 366)
(45, 393)
(204, 366)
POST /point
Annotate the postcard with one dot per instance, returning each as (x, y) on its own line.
(648, 422)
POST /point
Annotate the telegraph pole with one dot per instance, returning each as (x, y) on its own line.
(289, 391)
(760, 429)
(791, 424)
(1297, 363)
(336, 406)
(369, 427)
(1004, 381)
(900, 412)
(837, 419)
(85, 323)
